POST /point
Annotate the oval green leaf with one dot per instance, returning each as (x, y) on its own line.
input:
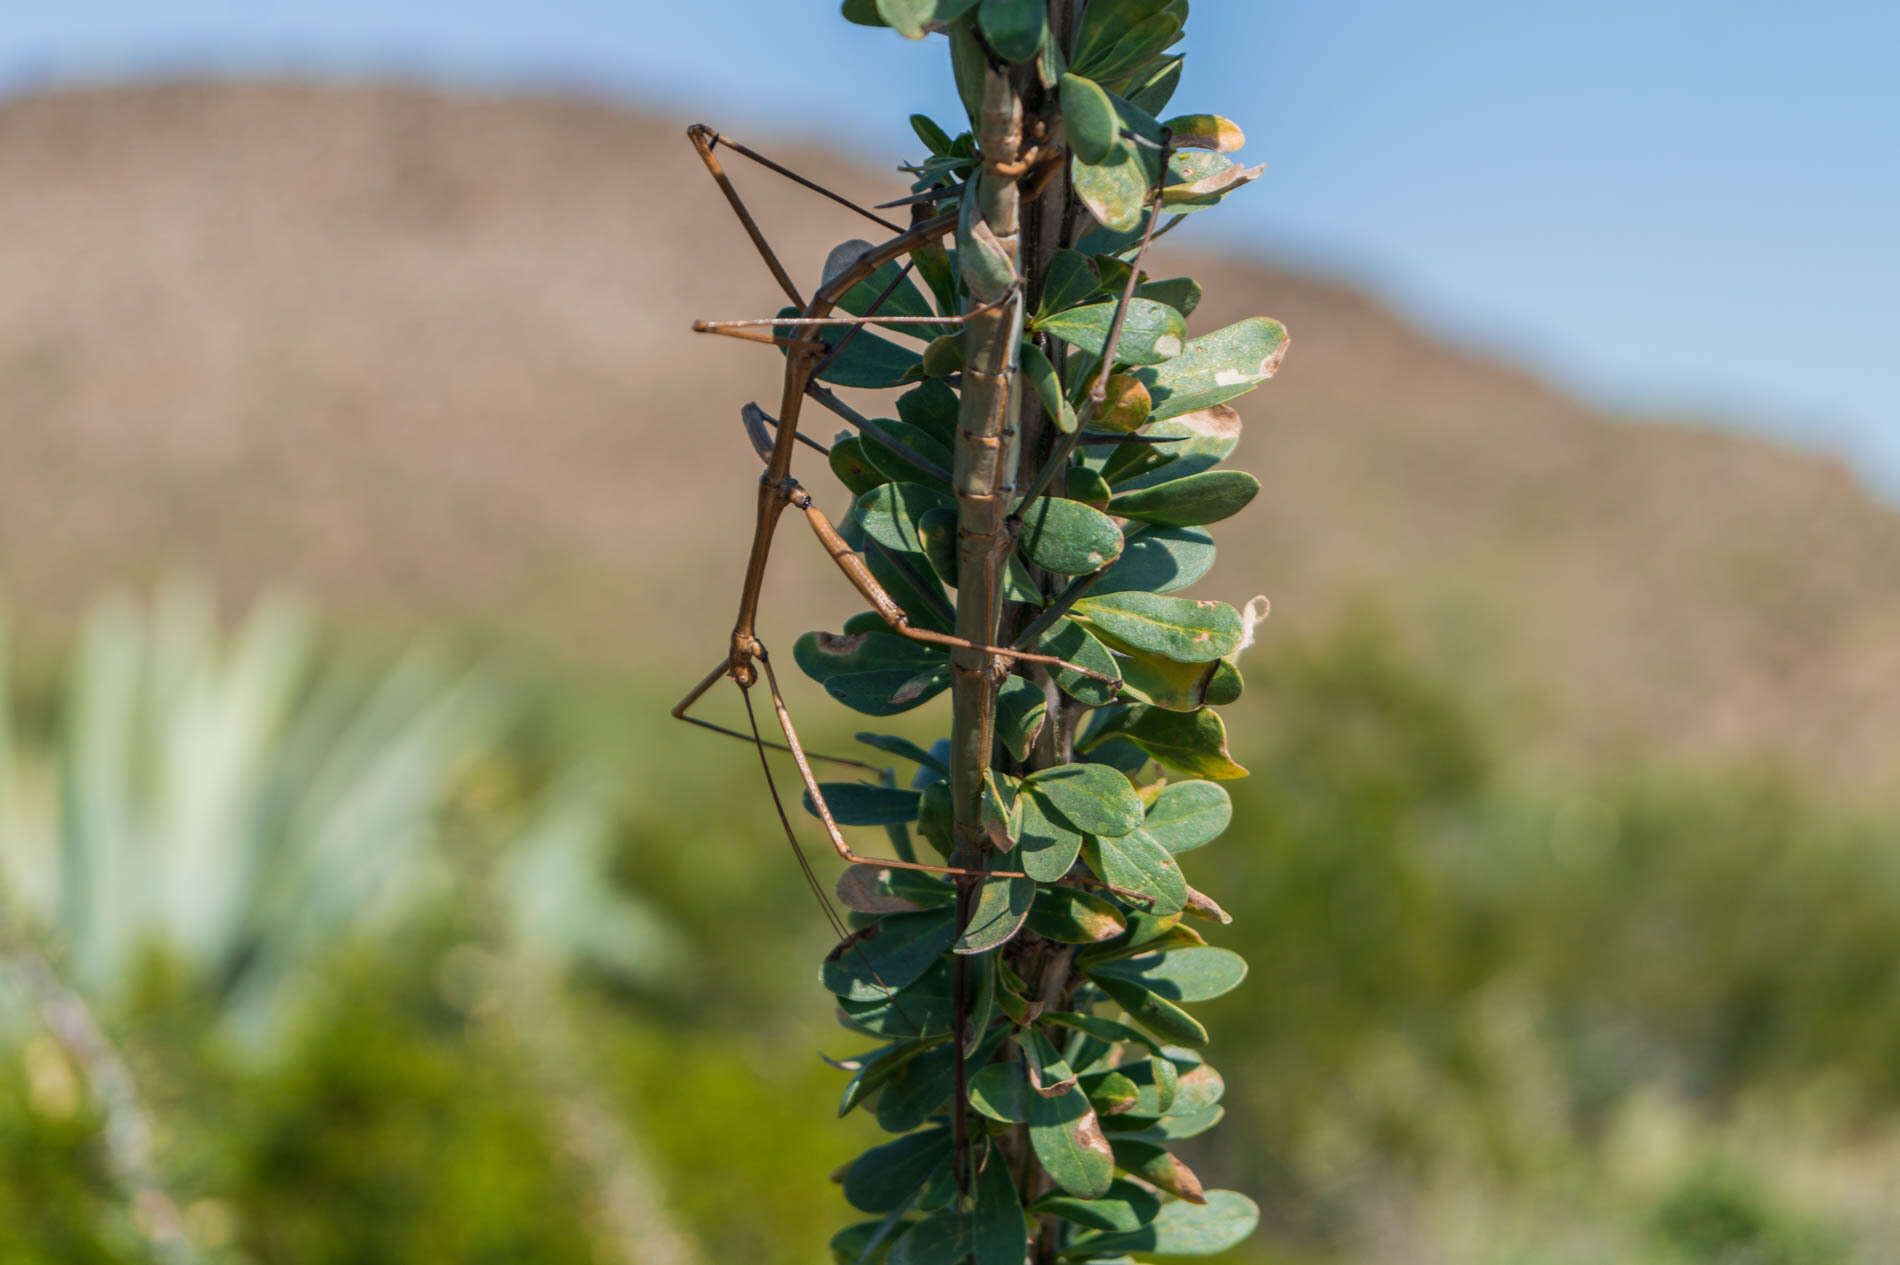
(1217, 367)
(889, 956)
(1194, 743)
(882, 1178)
(1188, 815)
(1207, 497)
(1069, 916)
(1158, 560)
(1185, 975)
(1088, 117)
(1093, 798)
(1137, 863)
(1151, 333)
(1067, 537)
(1069, 1142)
(1186, 630)
(1226, 1219)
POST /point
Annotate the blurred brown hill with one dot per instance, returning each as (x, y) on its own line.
(426, 356)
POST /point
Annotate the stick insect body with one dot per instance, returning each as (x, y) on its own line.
(747, 662)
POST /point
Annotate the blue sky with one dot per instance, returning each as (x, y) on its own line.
(1688, 206)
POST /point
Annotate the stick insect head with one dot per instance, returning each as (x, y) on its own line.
(758, 428)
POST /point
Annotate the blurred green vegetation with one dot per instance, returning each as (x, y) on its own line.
(1498, 1011)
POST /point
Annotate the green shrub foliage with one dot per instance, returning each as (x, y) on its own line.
(1079, 965)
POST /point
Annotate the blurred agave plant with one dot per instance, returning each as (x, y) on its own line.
(245, 804)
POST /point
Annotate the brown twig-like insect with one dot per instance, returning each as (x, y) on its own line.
(747, 662)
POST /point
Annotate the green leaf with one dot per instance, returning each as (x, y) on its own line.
(1179, 1127)
(922, 1009)
(882, 1178)
(1217, 367)
(1105, 22)
(1197, 1088)
(1206, 131)
(922, 1087)
(1089, 118)
(861, 804)
(1187, 815)
(852, 467)
(931, 407)
(998, 1229)
(1069, 641)
(1000, 1092)
(1137, 863)
(876, 673)
(887, 287)
(1103, 1030)
(1069, 916)
(1093, 798)
(1151, 1085)
(1183, 294)
(1069, 282)
(937, 529)
(889, 513)
(903, 453)
(943, 357)
(935, 139)
(1125, 1207)
(1115, 190)
(888, 956)
(969, 65)
(906, 577)
(913, 18)
(1049, 1073)
(1069, 1142)
(1151, 333)
(1084, 485)
(1021, 709)
(1186, 630)
(1157, 1014)
(1132, 54)
(904, 749)
(1041, 375)
(1154, 91)
(1110, 1093)
(941, 1239)
(1202, 498)
(1014, 28)
(869, 889)
(1068, 537)
(1198, 441)
(1197, 181)
(1001, 905)
(1227, 1218)
(1151, 678)
(1046, 848)
(1194, 743)
(866, 360)
(1158, 560)
(1158, 1167)
(874, 1069)
(1184, 975)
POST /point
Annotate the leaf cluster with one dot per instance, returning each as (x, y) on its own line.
(1082, 953)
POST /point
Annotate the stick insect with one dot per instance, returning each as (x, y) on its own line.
(747, 662)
